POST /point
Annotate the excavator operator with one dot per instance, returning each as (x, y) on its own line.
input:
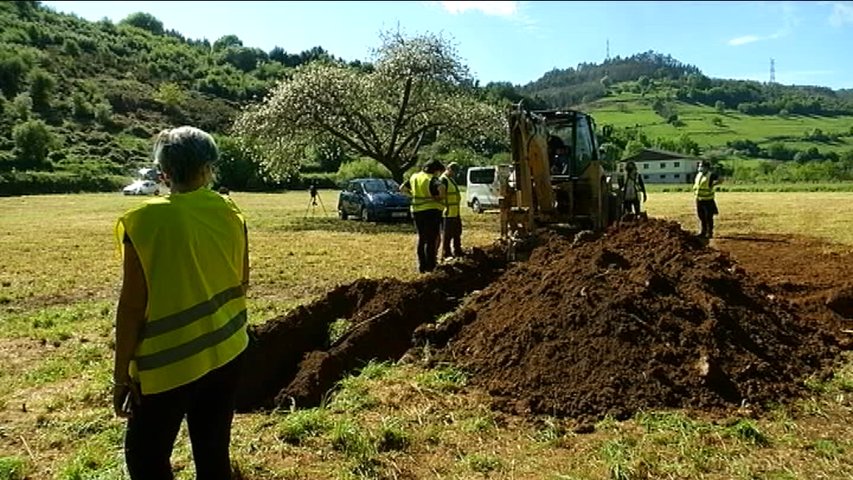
(558, 156)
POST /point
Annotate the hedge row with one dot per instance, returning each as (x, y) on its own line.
(34, 183)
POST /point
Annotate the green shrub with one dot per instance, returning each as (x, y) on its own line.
(33, 141)
(42, 85)
(34, 183)
(81, 107)
(303, 424)
(362, 168)
(320, 180)
(12, 468)
(12, 70)
(144, 21)
(104, 113)
(22, 106)
(171, 95)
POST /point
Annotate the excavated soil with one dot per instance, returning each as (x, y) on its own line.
(290, 360)
(646, 317)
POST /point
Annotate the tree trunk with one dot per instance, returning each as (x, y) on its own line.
(396, 171)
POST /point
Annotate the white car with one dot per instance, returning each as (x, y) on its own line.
(142, 187)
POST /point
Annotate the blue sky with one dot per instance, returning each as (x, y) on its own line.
(811, 42)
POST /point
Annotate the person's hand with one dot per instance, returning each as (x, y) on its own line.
(125, 396)
(645, 198)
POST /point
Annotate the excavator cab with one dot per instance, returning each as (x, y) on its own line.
(559, 178)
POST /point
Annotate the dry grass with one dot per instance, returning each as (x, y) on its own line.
(59, 277)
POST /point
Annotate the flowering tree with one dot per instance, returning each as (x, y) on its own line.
(417, 89)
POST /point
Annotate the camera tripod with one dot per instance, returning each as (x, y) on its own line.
(312, 205)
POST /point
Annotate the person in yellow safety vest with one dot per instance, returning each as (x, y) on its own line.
(706, 206)
(451, 228)
(181, 316)
(427, 204)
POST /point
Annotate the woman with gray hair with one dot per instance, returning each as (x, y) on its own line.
(181, 316)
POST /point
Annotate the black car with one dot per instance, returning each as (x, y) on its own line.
(372, 199)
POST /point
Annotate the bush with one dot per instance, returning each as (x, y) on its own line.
(12, 70)
(12, 468)
(22, 106)
(362, 168)
(42, 85)
(104, 113)
(81, 107)
(34, 183)
(320, 180)
(145, 21)
(32, 143)
(235, 169)
(171, 95)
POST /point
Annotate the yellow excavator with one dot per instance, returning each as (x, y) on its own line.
(556, 179)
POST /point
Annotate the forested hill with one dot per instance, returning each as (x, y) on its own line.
(660, 74)
(84, 98)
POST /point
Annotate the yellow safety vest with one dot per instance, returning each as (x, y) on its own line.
(702, 187)
(191, 246)
(421, 197)
(453, 198)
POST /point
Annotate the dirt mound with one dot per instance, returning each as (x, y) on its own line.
(644, 317)
(291, 359)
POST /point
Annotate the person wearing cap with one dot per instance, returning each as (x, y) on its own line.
(451, 227)
(706, 206)
(427, 194)
(181, 317)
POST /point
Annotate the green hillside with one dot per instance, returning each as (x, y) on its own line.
(80, 101)
(713, 129)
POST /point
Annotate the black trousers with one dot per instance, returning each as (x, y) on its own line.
(428, 225)
(628, 205)
(208, 405)
(451, 236)
(706, 209)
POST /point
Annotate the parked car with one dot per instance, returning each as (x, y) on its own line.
(142, 187)
(372, 199)
(483, 186)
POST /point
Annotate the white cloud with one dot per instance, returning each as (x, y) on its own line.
(516, 12)
(743, 40)
(789, 20)
(498, 9)
(842, 13)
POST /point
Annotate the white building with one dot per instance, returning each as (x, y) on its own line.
(659, 166)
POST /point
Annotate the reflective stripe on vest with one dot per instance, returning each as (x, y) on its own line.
(702, 187)
(453, 198)
(421, 197)
(192, 248)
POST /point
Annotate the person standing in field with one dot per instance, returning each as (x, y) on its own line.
(427, 194)
(632, 186)
(451, 228)
(181, 316)
(706, 206)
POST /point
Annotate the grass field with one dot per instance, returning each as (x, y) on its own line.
(629, 110)
(59, 280)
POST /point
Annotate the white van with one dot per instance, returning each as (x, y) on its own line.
(483, 188)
